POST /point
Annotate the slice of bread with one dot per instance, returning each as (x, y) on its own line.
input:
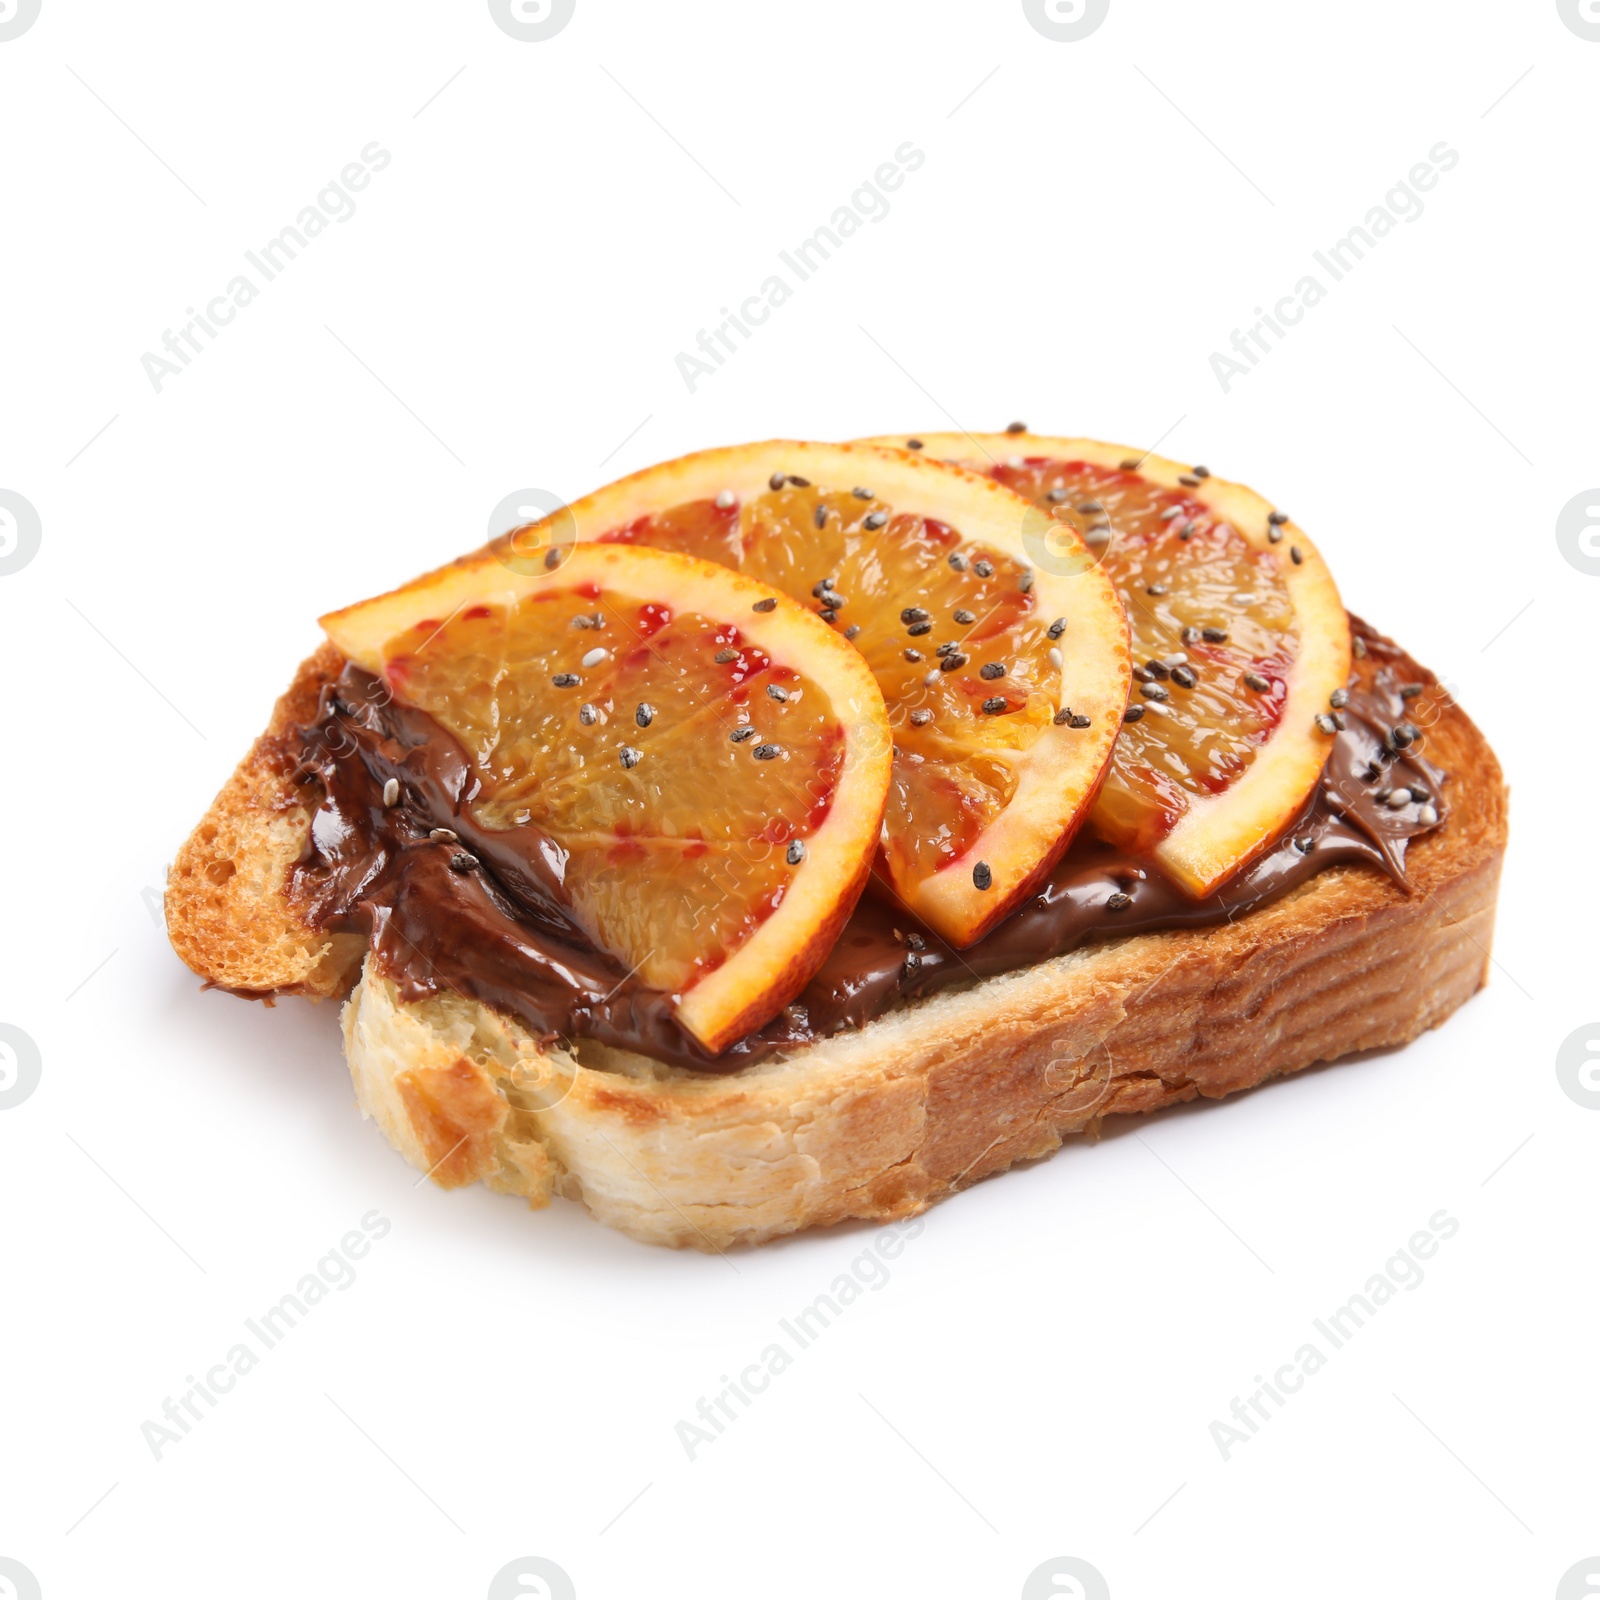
(874, 1124)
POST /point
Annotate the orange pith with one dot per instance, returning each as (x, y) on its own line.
(711, 775)
(1004, 684)
(1238, 638)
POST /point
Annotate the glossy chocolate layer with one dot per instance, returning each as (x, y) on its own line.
(483, 912)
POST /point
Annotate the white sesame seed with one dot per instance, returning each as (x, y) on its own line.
(391, 792)
(1055, 658)
(931, 679)
(593, 658)
(1427, 816)
(727, 500)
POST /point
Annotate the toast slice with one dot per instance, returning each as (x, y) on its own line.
(877, 1123)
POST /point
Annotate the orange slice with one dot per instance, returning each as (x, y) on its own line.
(1239, 637)
(710, 761)
(1005, 681)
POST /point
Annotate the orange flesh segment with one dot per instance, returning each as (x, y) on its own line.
(661, 874)
(1197, 741)
(954, 769)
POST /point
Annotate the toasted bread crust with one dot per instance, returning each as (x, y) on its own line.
(228, 915)
(879, 1123)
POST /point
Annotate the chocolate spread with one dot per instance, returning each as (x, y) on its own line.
(452, 906)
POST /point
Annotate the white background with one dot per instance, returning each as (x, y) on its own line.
(558, 220)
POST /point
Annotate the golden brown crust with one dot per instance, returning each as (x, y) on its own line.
(880, 1123)
(227, 913)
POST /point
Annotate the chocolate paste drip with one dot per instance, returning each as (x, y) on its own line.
(486, 914)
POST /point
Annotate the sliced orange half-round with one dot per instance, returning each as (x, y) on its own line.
(1005, 680)
(1241, 642)
(709, 759)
